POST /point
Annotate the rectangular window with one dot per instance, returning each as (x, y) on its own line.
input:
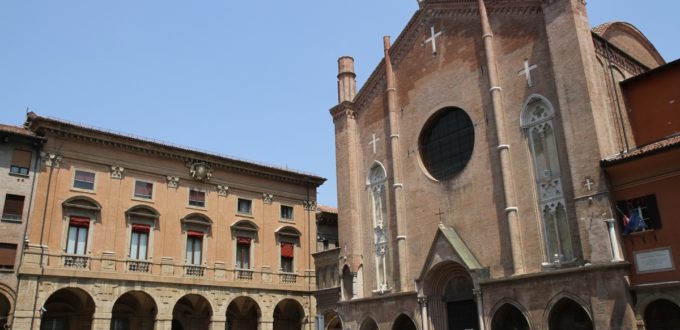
(287, 255)
(638, 214)
(196, 198)
(8, 253)
(14, 208)
(21, 162)
(84, 180)
(76, 242)
(139, 241)
(143, 189)
(243, 252)
(244, 206)
(194, 247)
(286, 212)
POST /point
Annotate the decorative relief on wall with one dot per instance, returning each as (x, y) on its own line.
(222, 190)
(309, 205)
(267, 198)
(200, 171)
(116, 172)
(51, 159)
(173, 181)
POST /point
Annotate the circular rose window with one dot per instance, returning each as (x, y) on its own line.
(446, 143)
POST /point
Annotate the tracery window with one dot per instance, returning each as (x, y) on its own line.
(537, 120)
(378, 182)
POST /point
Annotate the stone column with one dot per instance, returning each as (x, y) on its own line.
(480, 308)
(424, 317)
(218, 322)
(101, 320)
(266, 324)
(163, 322)
(614, 240)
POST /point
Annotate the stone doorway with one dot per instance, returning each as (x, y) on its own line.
(569, 315)
(288, 315)
(662, 314)
(191, 312)
(133, 310)
(243, 313)
(68, 308)
(508, 317)
(450, 292)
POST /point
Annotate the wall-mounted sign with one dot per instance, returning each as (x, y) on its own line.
(656, 260)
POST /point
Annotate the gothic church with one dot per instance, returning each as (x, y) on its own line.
(470, 194)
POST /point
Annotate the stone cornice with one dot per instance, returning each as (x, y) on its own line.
(47, 126)
(343, 110)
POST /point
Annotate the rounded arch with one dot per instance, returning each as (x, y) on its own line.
(508, 313)
(5, 309)
(192, 311)
(404, 322)
(566, 311)
(377, 173)
(368, 323)
(134, 310)
(643, 302)
(531, 113)
(437, 278)
(288, 231)
(616, 32)
(662, 314)
(288, 314)
(243, 313)
(69, 307)
(143, 211)
(245, 225)
(82, 202)
(197, 219)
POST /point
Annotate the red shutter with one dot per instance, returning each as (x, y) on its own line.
(192, 233)
(8, 254)
(21, 158)
(243, 240)
(140, 228)
(14, 205)
(79, 221)
(287, 250)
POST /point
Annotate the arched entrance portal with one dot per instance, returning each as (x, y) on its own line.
(288, 315)
(5, 308)
(508, 317)
(332, 321)
(449, 289)
(569, 315)
(191, 312)
(133, 310)
(369, 324)
(662, 314)
(243, 314)
(403, 322)
(68, 308)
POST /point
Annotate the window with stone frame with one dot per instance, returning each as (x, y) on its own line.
(80, 212)
(244, 233)
(537, 120)
(143, 189)
(244, 206)
(288, 238)
(84, 180)
(286, 212)
(8, 254)
(139, 241)
(78, 230)
(194, 248)
(196, 198)
(21, 162)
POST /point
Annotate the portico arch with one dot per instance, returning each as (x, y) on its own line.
(332, 321)
(403, 322)
(369, 324)
(134, 310)
(450, 291)
(68, 308)
(567, 314)
(509, 317)
(288, 315)
(243, 313)
(193, 312)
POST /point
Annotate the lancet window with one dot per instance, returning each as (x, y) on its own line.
(377, 183)
(537, 120)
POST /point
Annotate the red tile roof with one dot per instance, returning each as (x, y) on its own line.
(670, 142)
(17, 130)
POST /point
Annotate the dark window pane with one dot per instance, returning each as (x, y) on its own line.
(446, 143)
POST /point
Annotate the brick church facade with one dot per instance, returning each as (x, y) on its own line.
(470, 192)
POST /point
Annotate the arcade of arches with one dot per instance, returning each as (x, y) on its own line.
(149, 308)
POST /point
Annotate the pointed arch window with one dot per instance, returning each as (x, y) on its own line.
(537, 121)
(378, 182)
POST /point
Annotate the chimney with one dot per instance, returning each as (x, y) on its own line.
(347, 84)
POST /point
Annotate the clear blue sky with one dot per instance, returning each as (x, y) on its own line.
(251, 79)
